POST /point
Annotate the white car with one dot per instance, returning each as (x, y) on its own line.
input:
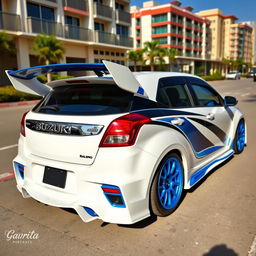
(121, 146)
(233, 75)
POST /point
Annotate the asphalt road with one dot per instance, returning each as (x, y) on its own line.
(218, 217)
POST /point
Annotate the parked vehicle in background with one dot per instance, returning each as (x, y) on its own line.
(250, 74)
(233, 75)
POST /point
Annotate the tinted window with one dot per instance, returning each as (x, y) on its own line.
(96, 99)
(205, 97)
(172, 93)
(33, 10)
(47, 13)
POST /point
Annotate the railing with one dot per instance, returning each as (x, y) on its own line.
(42, 26)
(123, 16)
(103, 10)
(76, 4)
(78, 33)
(108, 38)
(9, 21)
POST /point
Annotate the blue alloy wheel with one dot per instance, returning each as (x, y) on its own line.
(167, 186)
(240, 138)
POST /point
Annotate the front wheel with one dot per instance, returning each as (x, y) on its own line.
(167, 186)
(239, 141)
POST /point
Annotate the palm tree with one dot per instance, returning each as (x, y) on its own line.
(6, 43)
(161, 58)
(171, 53)
(226, 62)
(50, 50)
(151, 50)
(135, 56)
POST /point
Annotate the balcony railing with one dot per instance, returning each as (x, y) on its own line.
(123, 16)
(42, 26)
(103, 10)
(76, 4)
(108, 38)
(78, 33)
(9, 21)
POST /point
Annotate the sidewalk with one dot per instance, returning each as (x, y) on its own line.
(19, 103)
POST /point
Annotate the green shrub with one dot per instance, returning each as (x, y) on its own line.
(214, 76)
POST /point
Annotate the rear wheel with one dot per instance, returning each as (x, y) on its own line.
(239, 142)
(167, 186)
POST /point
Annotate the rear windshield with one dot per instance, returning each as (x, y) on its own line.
(89, 99)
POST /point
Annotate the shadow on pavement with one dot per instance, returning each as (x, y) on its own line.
(250, 98)
(221, 250)
(141, 224)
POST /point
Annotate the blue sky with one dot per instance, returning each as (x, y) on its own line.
(245, 10)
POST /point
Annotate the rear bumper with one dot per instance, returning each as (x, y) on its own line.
(124, 168)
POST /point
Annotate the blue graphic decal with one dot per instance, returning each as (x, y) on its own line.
(208, 151)
(30, 73)
(140, 91)
(201, 173)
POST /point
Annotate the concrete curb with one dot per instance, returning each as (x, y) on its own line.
(6, 176)
(19, 103)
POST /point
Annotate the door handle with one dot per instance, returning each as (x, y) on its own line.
(177, 121)
(210, 116)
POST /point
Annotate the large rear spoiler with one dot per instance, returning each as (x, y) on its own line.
(25, 80)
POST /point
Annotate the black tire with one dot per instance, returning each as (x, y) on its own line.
(157, 207)
(239, 141)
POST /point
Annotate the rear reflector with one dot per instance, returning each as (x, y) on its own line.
(113, 195)
(19, 168)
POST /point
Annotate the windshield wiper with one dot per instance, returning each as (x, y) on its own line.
(53, 108)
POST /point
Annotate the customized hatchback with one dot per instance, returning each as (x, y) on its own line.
(120, 146)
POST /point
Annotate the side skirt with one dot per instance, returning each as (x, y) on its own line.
(198, 175)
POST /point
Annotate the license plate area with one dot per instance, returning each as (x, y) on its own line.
(55, 177)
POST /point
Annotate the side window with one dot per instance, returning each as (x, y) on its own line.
(205, 97)
(172, 93)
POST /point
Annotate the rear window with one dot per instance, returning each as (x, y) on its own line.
(89, 99)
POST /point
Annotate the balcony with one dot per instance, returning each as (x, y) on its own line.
(123, 17)
(76, 4)
(103, 12)
(42, 26)
(9, 21)
(108, 38)
(78, 33)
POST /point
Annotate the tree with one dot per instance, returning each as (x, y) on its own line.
(135, 56)
(151, 50)
(226, 62)
(171, 53)
(50, 50)
(6, 43)
(160, 60)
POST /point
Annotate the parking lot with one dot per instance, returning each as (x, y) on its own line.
(217, 217)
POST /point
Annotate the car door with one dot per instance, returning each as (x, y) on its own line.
(215, 119)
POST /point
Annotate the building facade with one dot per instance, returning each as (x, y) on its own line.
(174, 27)
(229, 39)
(91, 30)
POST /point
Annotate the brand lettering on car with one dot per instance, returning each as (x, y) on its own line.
(54, 128)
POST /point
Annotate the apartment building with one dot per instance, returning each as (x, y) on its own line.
(252, 24)
(174, 27)
(229, 39)
(91, 30)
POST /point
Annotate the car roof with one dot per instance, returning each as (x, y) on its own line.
(147, 80)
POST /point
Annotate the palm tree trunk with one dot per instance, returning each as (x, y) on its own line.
(49, 76)
(135, 66)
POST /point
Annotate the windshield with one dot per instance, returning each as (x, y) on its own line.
(233, 72)
(86, 99)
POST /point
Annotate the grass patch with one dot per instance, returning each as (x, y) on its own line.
(215, 76)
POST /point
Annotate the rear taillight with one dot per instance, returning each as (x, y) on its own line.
(22, 124)
(123, 131)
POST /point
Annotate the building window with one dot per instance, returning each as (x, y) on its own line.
(119, 7)
(98, 1)
(96, 52)
(162, 40)
(122, 30)
(73, 21)
(117, 54)
(137, 21)
(101, 53)
(112, 54)
(138, 43)
(106, 53)
(99, 26)
(159, 30)
(122, 54)
(40, 12)
(159, 18)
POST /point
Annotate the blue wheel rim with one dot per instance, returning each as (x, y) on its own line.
(170, 183)
(240, 142)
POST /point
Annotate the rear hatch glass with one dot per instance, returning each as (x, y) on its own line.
(86, 99)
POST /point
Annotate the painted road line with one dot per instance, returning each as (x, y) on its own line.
(8, 147)
(6, 176)
(252, 251)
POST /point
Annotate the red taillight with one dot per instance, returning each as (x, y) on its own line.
(123, 131)
(22, 124)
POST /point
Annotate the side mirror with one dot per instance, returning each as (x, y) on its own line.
(230, 101)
